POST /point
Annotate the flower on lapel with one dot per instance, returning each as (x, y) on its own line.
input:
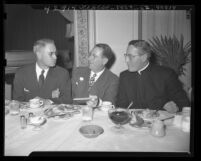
(56, 93)
(81, 79)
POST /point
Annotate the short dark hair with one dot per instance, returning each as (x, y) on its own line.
(142, 45)
(107, 51)
(41, 43)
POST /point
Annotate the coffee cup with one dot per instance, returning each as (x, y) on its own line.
(35, 103)
(106, 105)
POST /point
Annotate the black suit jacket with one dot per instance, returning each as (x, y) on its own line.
(26, 84)
(155, 86)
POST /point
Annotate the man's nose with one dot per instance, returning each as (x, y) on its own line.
(54, 56)
(127, 59)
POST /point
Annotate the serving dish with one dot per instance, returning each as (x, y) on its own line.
(62, 111)
(91, 131)
(143, 118)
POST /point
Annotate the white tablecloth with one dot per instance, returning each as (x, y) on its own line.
(64, 135)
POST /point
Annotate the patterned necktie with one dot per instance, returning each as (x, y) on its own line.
(41, 79)
(92, 80)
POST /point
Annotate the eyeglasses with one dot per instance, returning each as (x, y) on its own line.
(130, 56)
(53, 53)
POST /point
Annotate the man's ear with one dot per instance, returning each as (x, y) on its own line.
(144, 57)
(105, 60)
(38, 54)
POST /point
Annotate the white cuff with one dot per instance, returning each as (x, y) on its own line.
(100, 102)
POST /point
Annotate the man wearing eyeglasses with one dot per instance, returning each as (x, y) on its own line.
(96, 80)
(148, 85)
(43, 78)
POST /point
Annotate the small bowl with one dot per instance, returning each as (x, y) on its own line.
(91, 131)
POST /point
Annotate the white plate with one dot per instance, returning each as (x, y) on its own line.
(81, 99)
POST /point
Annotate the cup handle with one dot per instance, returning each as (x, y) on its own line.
(41, 102)
(113, 106)
(132, 113)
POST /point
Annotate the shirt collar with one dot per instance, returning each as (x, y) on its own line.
(39, 70)
(97, 74)
(139, 71)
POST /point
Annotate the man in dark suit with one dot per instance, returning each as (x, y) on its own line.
(148, 85)
(43, 78)
(96, 79)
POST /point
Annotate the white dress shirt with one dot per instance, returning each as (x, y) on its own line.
(39, 70)
(97, 74)
(96, 78)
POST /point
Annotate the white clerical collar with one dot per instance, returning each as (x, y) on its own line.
(98, 74)
(139, 71)
(38, 71)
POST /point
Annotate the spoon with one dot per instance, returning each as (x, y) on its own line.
(130, 105)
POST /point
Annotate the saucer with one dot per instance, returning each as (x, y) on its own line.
(37, 121)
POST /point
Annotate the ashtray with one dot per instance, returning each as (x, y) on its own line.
(91, 131)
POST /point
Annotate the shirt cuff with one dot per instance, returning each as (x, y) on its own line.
(100, 102)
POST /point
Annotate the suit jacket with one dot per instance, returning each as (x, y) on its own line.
(155, 86)
(26, 84)
(105, 87)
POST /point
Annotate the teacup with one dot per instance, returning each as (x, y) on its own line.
(106, 105)
(35, 103)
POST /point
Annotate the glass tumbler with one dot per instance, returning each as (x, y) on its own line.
(14, 107)
(23, 122)
(87, 113)
(158, 128)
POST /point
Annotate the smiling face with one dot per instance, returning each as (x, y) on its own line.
(135, 59)
(96, 60)
(46, 56)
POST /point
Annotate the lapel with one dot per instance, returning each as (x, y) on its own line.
(101, 80)
(33, 76)
(86, 76)
(49, 78)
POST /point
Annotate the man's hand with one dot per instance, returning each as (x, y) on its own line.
(171, 107)
(55, 93)
(93, 101)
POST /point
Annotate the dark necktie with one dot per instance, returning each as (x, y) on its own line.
(41, 79)
(92, 80)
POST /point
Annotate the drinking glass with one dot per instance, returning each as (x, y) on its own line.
(119, 117)
(14, 107)
(87, 113)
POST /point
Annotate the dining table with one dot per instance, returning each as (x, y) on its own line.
(63, 135)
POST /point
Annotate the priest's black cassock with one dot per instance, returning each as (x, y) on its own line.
(151, 88)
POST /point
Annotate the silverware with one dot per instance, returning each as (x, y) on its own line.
(167, 118)
(130, 105)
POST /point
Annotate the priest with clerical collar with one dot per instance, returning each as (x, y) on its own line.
(148, 85)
